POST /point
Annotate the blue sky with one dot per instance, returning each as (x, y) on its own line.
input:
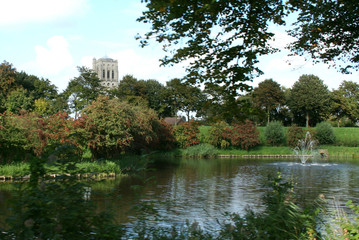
(50, 38)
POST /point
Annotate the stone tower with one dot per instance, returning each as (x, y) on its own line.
(107, 71)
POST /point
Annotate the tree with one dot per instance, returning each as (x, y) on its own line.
(268, 95)
(82, 90)
(221, 39)
(328, 31)
(185, 97)
(309, 99)
(7, 79)
(150, 93)
(18, 100)
(345, 101)
(114, 126)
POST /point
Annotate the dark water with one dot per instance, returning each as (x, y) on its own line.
(203, 190)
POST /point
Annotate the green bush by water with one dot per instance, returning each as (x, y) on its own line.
(203, 150)
(324, 133)
(274, 133)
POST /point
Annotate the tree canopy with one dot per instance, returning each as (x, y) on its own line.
(328, 31)
(309, 99)
(269, 95)
(221, 40)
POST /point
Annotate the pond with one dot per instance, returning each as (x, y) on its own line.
(203, 190)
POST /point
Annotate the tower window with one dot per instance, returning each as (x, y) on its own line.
(113, 74)
(108, 74)
(103, 73)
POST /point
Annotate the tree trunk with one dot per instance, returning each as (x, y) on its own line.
(268, 116)
(307, 122)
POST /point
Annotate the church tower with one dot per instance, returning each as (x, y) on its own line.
(107, 71)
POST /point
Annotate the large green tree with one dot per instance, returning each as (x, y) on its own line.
(185, 97)
(149, 93)
(221, 39)
(268, 95)
(309, 99)
(345, 101)
(328, 31)
(18, 100)
(82, 90)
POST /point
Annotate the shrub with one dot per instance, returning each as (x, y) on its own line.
(295, 134)
(244, 135)
(187, 134)
(218, 135)
(274, 133)
(165, 136)
(325, 133)
(114, 127)
(203, 150)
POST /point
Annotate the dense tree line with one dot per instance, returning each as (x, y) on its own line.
(307, 103)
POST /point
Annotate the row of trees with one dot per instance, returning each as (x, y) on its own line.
(308, 102)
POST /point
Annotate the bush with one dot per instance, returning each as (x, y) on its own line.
(295, 134)
(325, 133)
(218, 135)
(203, 150)
(187, 134)
(244, 135)
(274, 133)
(114, 127)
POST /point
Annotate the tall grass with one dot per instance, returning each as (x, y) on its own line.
(17, 169)
(203, 150)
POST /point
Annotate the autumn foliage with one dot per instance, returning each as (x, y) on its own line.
(114, 127)
(187, 134)
(244, 135)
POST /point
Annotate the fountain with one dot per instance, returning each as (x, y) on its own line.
(304, 149)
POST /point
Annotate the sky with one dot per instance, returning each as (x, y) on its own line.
(51, 38)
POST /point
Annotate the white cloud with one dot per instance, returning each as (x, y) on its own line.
(26, 11)
(55, 57)
(53, 61)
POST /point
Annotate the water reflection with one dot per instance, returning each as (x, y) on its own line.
(203, 190)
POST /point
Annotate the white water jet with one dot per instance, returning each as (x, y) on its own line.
(304, 149)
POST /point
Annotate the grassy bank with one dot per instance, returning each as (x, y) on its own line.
(23, 169)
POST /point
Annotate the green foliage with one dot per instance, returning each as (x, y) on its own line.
(274, 133)
(82, 90)
(244, 135)
(18, 100)
(7, 79)
(203, 150)
(187, 134)
(217, 135)
(185, 29)
(344, 102)
(319, 32)
(350, 227)
(295, 134)
(325, 133)
(268, 95)
(57, 209)
(113, 127)
(309, 100)
(29, 134)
